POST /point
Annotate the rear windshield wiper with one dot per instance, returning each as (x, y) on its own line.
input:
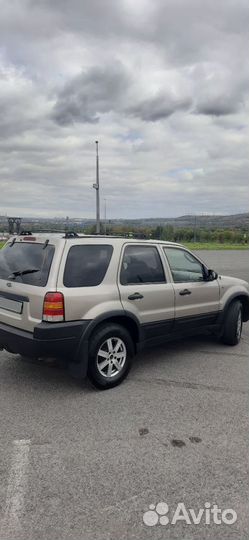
(23, 272)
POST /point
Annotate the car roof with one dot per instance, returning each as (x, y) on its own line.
(123, 239)
(102, 239)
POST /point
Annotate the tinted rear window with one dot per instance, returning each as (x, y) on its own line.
(141, 264)
(23, 256)
(86, 265)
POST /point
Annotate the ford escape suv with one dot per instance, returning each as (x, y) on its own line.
(98, 300)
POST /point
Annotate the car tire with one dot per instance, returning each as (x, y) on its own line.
(111, 349)
(232, 327)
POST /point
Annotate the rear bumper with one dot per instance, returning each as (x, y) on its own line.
(48, 339)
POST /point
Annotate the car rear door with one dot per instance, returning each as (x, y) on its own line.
(197, 300)
(145, 289)
(87, 278)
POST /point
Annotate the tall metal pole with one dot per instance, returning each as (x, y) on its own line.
(96, 186)
(105, 218)
(195, 228)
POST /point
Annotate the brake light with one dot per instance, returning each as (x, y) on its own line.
(53, 307)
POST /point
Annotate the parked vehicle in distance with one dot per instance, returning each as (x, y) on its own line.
(97, 300)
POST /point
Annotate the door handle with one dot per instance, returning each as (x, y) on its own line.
(184, 292)
(135, 296)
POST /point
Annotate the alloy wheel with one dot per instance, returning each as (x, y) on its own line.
(111, 357)
(239, 325)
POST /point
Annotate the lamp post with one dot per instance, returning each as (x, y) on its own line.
(96, 187)
(195, 228)
(105, 218)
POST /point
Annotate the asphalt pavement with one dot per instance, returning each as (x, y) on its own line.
(78, 464)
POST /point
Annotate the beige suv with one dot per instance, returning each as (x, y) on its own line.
(98, 300)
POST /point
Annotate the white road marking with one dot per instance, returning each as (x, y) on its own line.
(16, 489)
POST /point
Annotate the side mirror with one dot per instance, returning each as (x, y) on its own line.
(210, 275)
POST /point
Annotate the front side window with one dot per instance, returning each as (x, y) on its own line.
(184, 266)
(86, 265)
(141, 264)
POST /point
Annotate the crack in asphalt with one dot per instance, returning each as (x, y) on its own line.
(238, 355)
(192, 386)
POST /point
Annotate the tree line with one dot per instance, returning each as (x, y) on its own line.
(176, 234)
(159, 232)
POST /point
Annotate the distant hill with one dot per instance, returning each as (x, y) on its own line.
(234, 221)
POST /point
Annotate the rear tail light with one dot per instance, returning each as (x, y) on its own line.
(53, 307)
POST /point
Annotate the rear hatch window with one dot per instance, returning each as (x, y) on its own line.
(27, 263)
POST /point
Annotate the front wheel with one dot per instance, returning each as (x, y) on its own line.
(233, 324)
(110, 353)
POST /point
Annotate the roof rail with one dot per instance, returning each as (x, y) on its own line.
(71, 234)
(44, 231)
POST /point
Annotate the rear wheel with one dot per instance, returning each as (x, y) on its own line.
(233, 324)
(110, 353)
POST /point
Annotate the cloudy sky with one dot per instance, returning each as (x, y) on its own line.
(162, 84)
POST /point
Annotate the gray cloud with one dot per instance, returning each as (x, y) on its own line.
(160, 107)
(217, 108)
(218, 91)
(88, 95)
(112, 89)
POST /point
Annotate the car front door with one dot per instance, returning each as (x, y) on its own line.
(145, 289)
(196, 299)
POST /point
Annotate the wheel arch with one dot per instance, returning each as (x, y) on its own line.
(244, 299)
(124, 318)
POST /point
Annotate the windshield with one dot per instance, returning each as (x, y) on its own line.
(16, 259)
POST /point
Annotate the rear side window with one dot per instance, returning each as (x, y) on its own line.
(86, 265)
(32, 261)
(141, 264)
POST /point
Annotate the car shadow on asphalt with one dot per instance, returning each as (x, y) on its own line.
(174, 350)
(54, 370)
(51, 373)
